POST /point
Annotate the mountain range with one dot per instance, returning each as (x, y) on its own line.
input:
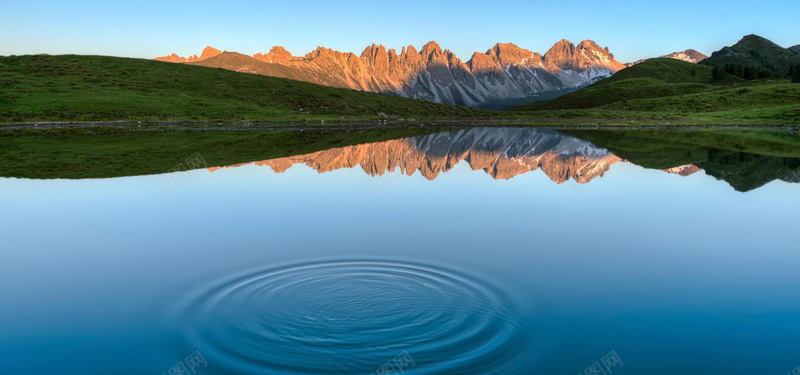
(504, 75)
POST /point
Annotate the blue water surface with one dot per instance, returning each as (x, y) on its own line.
(243, 270)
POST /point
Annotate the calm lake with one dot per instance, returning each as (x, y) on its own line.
(479, 251)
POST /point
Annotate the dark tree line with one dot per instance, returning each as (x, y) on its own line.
(794, 72)
(747, 72)
(752, 72)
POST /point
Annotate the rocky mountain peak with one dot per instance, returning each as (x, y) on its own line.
(483, 63)
(276, 55)
(508, 54)
(564, 46)
(319, 53)
(688, 55)
(376, 57)
(431, 48)
(373, 51)
(173, 58)
(591, 45)
(591, 49)
(692, 52)
(504, 48)
(561, 56)
(409, 53)
(587, 55)
(210, 52)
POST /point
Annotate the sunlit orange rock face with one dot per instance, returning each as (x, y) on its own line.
(208, 53)
(586, 54)
(560, 157)
(504, 72)
(277, 55)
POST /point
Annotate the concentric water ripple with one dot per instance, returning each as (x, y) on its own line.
(351, 317)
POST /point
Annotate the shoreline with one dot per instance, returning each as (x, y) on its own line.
(384, 124)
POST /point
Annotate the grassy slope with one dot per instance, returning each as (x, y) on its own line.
(115, 152)
(650, 79)
(676, 89)
(96, 88)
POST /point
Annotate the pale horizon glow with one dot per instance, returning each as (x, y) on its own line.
(146, 29)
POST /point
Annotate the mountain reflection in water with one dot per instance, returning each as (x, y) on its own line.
(504, 153)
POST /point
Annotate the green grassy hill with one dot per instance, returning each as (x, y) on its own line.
(664, 69)
(654, 78)
(97, 88)
(755, 51)
(675, 89)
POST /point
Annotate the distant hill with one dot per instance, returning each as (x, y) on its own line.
(758, 52)
(96, 88)
(664, 69)
(795, 49)
(688, 55)
(247, 64)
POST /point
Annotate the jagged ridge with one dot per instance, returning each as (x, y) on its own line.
(504, 73)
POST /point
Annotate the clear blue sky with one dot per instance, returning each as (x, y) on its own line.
(150, 28)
